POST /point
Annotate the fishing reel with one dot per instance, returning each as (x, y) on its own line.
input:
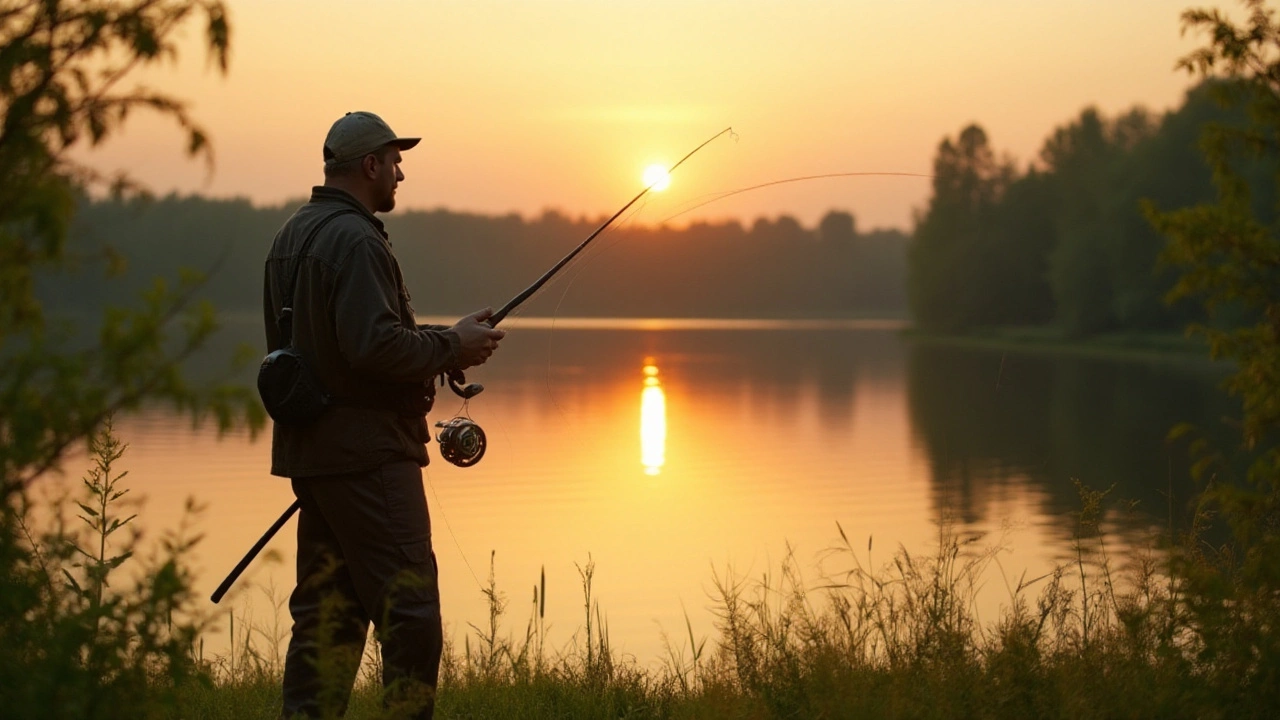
(462, 441)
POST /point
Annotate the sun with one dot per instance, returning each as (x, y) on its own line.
(656, 178)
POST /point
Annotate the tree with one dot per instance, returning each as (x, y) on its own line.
(1164, 167)
(1229, 257)
(1081, 158)
(1024, 229)
(63, 67)
(837, 228)
(953, 252)
(70, 647)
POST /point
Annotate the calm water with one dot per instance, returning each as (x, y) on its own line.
(668, 452)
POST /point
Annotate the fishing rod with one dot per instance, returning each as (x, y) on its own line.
(529, 291)
(461, 440)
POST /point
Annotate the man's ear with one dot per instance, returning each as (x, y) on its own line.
(369, 166)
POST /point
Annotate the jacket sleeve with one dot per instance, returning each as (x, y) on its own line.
(366, 301)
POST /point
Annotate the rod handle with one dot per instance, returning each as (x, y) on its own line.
(253, 552)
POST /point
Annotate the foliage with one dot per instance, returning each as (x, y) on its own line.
(81, 637)
(871, 636)
(72, 643)
(774, 268)
(62, 66)
(1064, 242)
(1228, 254)
(952, 252)
(1080, 156)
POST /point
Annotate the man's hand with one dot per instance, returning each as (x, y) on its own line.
(478, 338)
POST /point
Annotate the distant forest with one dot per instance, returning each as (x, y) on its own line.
(454, 263)
(1062, 242)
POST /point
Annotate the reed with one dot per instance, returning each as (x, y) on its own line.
(1094, 637)
(1175, 629)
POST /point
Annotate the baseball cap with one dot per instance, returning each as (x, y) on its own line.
(357, 134)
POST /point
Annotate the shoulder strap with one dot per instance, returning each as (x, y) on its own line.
(285, 321)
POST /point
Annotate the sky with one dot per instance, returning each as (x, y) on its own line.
(529, 105)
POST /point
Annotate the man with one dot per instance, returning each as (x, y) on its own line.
(364, 535)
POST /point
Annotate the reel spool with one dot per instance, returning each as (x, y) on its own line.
(462, 441)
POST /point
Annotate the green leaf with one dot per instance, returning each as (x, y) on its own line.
(72, 582)
(1178, 431)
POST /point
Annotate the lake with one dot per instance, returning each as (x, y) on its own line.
(670, 452)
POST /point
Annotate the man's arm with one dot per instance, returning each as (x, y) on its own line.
(367, 320)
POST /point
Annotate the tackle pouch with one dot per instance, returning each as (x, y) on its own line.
(290, 391)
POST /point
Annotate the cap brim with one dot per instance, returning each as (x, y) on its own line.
(405, 143)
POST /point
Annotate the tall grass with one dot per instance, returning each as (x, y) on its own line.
(87, 628)
(1095, 637)
(1172, 630)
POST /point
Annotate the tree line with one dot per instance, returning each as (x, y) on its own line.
(1066, 241)
(455, 262)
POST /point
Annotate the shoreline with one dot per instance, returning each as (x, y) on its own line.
(1132, 346)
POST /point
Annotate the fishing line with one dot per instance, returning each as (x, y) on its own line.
(455, 379)
(579, 262)
(612, 238)
(426, 474)
(537, 285)
(463, 411)
(574, 269)
(722, 195)
(730, 193)
(579, 266)
(518, 299)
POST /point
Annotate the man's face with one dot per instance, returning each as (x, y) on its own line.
(387, 176)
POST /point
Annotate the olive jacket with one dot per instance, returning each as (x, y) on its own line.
(354, 327)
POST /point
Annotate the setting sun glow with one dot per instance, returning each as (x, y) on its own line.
(657, 178)
(818, 87)
(653, 421)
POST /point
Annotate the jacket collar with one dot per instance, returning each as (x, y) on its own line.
(333, 196)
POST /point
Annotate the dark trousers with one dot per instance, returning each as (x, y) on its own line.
(364, 555)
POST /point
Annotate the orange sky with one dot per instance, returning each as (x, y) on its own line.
(533, 104)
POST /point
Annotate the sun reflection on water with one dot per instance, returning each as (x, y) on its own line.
(653, 421)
